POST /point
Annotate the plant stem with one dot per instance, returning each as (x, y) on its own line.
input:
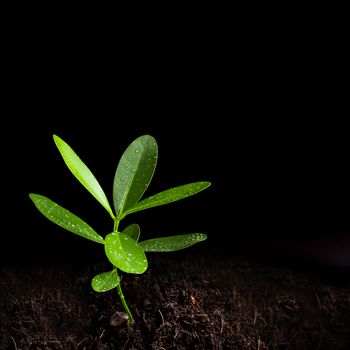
(116, 225)
(125, 305)
(119, 288)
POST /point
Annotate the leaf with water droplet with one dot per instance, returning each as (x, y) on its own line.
(105, 281)
(64, 218)
(82, 173)
(172, 243)
(168, 196)
(125, 253)
(134, 172)
(133, 231)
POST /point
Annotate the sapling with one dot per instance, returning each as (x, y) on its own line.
(122, 247)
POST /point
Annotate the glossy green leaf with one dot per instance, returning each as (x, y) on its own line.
(168, 196)
(64, 218)
(134, 172)
(105, 281)
(126, 254)
(133, 231)
(172, 243)
(82, 173)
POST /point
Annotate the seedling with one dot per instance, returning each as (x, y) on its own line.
(122, 247)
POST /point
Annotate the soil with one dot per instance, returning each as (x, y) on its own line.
(183, 301)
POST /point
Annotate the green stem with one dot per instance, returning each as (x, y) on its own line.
(116, 225)
(125, 305)
(119, 288)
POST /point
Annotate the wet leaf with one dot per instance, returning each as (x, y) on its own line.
(82, 173)
(105, 281)
(133, 231)
(134, 172)
(125, 253)
(172, 243)
(64, 218)
(168, 196)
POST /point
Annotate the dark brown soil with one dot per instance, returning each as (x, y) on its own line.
(181, 302)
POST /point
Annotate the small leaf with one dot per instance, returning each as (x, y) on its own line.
(133, 231)
(64, 218)
(126, 254)
(168, 196)
(134, 172)
(82, 173)
(172, 243)
(105, 281)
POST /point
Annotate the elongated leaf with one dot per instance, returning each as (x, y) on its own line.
(126, 254)
(105, 281)
(168, 196)
(64, 218)
(133, 231)
(134, 172)
(82, 173)
(172, 243)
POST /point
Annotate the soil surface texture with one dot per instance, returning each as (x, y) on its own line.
(183, 301)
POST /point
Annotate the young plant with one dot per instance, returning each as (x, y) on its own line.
(122, 247)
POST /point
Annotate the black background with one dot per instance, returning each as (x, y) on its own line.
(259, 113)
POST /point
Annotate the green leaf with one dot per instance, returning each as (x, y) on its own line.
(126, 254)
(82, 173)
(133, 231)
(168, 196)
(105, 281)
(64, 218)
(134, 172)
(172, 243)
